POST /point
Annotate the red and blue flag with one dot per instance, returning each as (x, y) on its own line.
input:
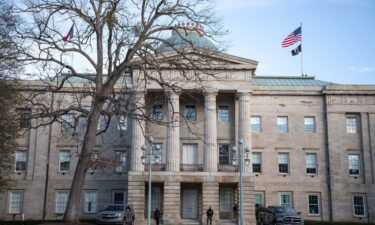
(292, 38)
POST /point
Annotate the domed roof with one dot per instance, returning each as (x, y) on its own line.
(186, 38)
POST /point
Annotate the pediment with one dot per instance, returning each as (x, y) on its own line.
(215, 60)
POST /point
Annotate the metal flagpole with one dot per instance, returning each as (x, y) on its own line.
(301, 52)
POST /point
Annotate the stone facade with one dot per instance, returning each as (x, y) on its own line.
(196, 172)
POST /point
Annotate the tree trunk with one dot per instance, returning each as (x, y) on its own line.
(76, 190)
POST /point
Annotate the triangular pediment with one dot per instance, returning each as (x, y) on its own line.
(216, 60)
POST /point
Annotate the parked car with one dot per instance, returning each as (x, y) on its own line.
(275, 215)
(111, 214)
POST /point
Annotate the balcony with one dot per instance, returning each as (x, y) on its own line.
(227, 168)
(155, 167)
(191, 167)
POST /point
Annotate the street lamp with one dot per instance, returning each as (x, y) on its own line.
(153, 158)
(243, 153)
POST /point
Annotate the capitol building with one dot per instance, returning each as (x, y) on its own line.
(311, 146)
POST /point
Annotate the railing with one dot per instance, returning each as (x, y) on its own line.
(156, 167)
(227, 168)
(191, 167)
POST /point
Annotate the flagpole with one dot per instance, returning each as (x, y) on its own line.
(301, 52)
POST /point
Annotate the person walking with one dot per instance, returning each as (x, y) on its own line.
(157, 216)
(209, 214)
(235, 208)
(129, 216)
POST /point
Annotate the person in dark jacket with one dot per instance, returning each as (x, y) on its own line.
(157, 216)
(209, 214)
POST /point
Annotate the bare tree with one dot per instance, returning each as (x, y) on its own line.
(108, 40)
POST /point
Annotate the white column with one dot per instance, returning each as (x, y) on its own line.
(173, 132)
(244, 121)
(138, 129)
(210, 131)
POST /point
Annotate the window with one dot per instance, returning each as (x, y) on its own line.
(61, 201)
(226, 199)
(25, 118)
(285, 199)
(353, 160)
(283, 162)
(122, 123)
(224, 155)
(311, 163)
(258, 199)
(191, 112)
(351, 124)
(64, 161)
(309, 124)
(118, 197)
(256, 124)
(282, 124)
(157, 112)
(359, 205)
(16, 202)
(121, 161)
(257, 162)
(101, 123)
(189, 154)
(93, 163)
(223, 113)
(21, 160)
(68, 119)
(314, 204)
(90, 201)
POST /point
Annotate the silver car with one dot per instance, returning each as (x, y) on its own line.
(111, 214)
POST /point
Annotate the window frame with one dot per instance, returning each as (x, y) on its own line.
(260, 161)
(315, 163)
(364, 199)
(57, 202)
(60, 160)
(122, 123)
(85, 209)
(317, 195)
(120, 162)
(258, 125)
(24, 117)
(113, 193)
(261, 193)
(222, 155)
(223, 110)
(290, 194)
(16, 161)
(68, 119)
(280, 126)
(188, 112)
(279, 164)
(359, 163)
(20, 203)
(309, 128)
(229, 207)
(351, 126)
(157, 112)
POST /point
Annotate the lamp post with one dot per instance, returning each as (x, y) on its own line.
(153, 157)
(241, 156)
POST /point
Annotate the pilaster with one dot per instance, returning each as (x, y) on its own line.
(172, 205)
(173, 132)
(136, 201)
(210, 193)
(244, 121)
(138, 128)
(210, 131)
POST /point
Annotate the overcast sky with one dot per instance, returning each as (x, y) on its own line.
(338, 37)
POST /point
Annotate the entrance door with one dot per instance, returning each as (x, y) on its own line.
(190, 204)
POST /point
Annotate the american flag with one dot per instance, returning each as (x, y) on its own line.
(292, 38)
(69, 35)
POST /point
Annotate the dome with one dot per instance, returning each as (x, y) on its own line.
(186, 38)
